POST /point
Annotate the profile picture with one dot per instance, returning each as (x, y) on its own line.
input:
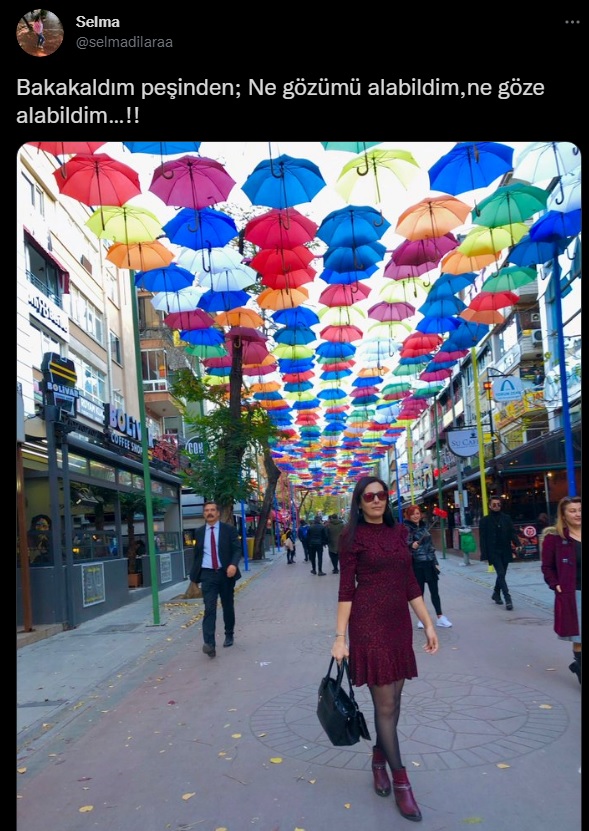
(39, 33)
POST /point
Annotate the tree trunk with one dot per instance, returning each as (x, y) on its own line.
(273, 475)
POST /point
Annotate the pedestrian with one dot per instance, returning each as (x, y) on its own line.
(425, 560)
(39, 539)
(334, 528)
(497, 538)
(303, 534)
(38, 29)
(376, 587)
(289, 544)
(560, 548)
(217, 551)
(317, 538)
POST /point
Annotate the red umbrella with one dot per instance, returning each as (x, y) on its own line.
(97, 179)
(451, 355)
(339, 294)
(280, 228)
(66, 148)
(487, 301)
(191, 182)
(282, 259)
(341, 334)
(247, 334)
(435, 375)
(419, 340)
(195, 319)
(289, 279)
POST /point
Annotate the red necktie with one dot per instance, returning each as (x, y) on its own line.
(214, 557)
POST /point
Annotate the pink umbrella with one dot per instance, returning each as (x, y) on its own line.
(435, 375)
(194, 319)
(341, 334)
(391, 311)
(280, 228)
(418, 252)
(191, 182)
(339, 294)
(407, 272)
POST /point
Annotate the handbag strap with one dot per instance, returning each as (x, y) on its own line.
(342, 669)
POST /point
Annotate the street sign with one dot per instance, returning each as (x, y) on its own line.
(463, 442)
(529, 531)
(508, 388)
(194, 446)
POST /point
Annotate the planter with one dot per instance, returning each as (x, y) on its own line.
(134, 581)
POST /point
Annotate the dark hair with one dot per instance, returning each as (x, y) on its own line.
(37, 517)
(356, 516)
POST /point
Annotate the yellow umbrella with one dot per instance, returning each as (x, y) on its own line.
(455, 262)
(398, 162)
(483, 240)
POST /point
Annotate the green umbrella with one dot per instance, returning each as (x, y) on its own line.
(510, 204)
(509, 278)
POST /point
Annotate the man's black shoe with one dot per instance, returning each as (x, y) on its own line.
(228, 640)
(508, 604)
(497, 598)
(321, 574)
(313, 571)
(209, 650)
(335, 571)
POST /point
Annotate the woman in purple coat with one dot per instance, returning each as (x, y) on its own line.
(561, 566)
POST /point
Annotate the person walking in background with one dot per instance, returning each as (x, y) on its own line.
(425, 561)
(217, 551)
(303, 536)
(317, 539)
(289, 544)
(334, 528)
(39, 539)
(497, 536)
(560, 551)
(376, 587)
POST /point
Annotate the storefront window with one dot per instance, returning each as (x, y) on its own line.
(78, 464)
(102, 471)
(125, 478)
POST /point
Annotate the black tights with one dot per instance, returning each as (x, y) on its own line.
(387, 707)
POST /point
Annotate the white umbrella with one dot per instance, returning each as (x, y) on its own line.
(566, 196)
(545, 160)
(183, 300)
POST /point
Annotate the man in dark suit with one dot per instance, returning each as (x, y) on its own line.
(217, 553)
(497, 536)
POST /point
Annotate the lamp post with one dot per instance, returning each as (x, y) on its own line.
(439, 477)
(488, 387)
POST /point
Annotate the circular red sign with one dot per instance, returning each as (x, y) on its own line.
(529, 531)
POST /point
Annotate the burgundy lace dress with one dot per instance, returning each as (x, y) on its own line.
(376, 574)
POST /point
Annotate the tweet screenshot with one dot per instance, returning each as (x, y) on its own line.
(248, 357)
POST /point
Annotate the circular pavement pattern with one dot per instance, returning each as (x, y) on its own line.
(447, 721)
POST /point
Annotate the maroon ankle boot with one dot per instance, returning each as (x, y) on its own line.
(404, 796)
(382, 783)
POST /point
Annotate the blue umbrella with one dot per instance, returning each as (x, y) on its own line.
(442, 306)
(335, 375)
(296, 316)
(345, 258)
(554, 225)
(467, 335)
(340, 351)
(470, 165)
(169, 278)
(347, 278)
(222, 301)
(301, 386)
(283, 182)
(456, 282)
(353, 225)
(165, 148)
(432, 324)
(294, 336)
(202, 337)
(332, 393)
(531, 252)
(204, 228)
(289, 365)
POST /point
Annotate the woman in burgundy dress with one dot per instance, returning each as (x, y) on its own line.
(377, 586)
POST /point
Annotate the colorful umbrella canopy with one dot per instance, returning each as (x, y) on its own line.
(433, 216)
(489, 316)
(282, 260)
(346, 258)
(66, 148)
(510, 204)
(169, 278)
(458, 263)
(163, 148)
(240, 316)
(493, 300)
(283, 182)
(466, 336)
(482, 240)
(140, 256)
(293, 317)
(276, 299)
(125, 223)
(398, 162)
(191, 182)
(177, 301)
(543, 161)
(555, 225)
(509, 278)
(338, 294)
(532, 252)
(222, 301)
(193, 319)
(353, 225)
(567, 196)
(97, 179)
(203, 337)
(278, 228)
(470, 165)
(391, 311)
(204, 228)
(442, 306)
(437, 324)
(417, 252)
(330, 276)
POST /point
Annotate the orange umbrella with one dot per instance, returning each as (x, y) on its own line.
(433, 216)
(458, 263)
(489, 317)
(282, 298)
(240, 316)
(140, 256)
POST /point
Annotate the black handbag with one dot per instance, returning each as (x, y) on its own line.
(337, 710)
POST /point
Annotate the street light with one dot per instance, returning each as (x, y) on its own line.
(488, 387)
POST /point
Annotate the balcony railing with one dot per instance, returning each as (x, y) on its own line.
(44, 289)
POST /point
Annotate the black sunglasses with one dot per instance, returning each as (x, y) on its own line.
(370, 497)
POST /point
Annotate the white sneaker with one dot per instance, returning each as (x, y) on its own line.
(419, 624)
(443, 622)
